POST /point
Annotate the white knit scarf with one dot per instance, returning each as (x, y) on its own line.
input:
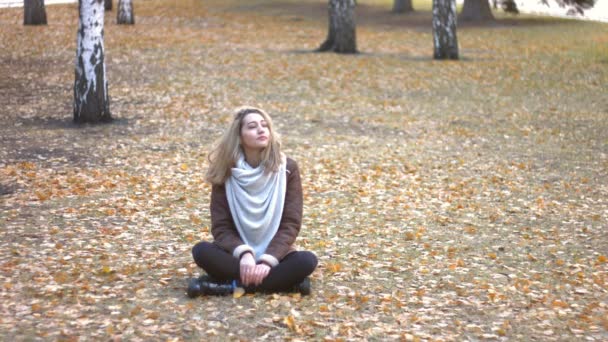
(256, 200)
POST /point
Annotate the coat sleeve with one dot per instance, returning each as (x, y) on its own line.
(223, 228)
(291, 221)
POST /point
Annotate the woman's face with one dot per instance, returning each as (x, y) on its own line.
(255, 134)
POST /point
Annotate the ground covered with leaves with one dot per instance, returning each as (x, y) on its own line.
(445, 200)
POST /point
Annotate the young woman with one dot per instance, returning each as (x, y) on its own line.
(256, 214)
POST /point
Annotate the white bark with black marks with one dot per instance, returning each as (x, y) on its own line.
(125, 15)
(402, 6)
(341, 36)
(444, 29)
(91, 101)
(34, 12)
(476, 11)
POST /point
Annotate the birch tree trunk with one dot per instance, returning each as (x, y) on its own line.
(444, 29)
(402, 6)
(475, 11)
(341, 36)
(91, 102)
(108, 5)
(34, 12)
(125, 15)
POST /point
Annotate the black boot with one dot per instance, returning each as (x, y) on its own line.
(304, 287)
(194, 288)
(206, 285)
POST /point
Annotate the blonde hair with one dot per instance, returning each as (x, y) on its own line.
(227, 149)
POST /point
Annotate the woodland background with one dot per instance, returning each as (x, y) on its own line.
(461, 200)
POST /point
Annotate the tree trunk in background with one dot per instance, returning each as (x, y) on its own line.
(402, 6)
(341, 37)
(125, 12)
(34, 12)
(91, 102)
(108, 5)
(444, 29)
(475, 11)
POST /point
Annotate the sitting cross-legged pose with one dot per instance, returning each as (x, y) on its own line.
(256, 214)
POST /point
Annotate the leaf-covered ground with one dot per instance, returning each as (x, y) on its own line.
(446, 200)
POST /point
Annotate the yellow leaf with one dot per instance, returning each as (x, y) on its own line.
(420, 232)
(26, 166)
(238, 292)
(184, 167)
(334, 267)
(290, 322)
(195, 219)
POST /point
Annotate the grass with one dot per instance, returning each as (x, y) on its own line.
(445, 200)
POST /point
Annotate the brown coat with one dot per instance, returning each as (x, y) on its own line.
(227, 236)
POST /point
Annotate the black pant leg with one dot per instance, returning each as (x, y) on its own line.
(214, 260)
(222, 266)
(290, 271)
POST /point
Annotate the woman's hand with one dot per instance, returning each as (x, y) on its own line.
(247, 269)
(260, 273)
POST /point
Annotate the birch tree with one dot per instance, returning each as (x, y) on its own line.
(444, 29)
(402, 6)
(341, 36)
(34, 12)
(91, 102)
(124, 14)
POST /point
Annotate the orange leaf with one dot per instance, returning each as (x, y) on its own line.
(559, 304)
(43, 196)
